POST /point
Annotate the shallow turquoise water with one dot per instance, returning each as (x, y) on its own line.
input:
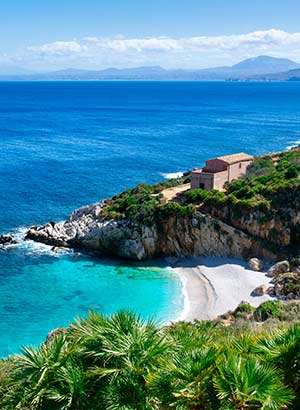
(51, 293)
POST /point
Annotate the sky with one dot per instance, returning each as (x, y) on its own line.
(95, 34)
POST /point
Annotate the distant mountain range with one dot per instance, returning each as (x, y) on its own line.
(262, 68)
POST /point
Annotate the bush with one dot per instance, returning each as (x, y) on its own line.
(267, 310)
(244, 307)
(260, 166)
(170, 209)
(292, 171)
(196, 195)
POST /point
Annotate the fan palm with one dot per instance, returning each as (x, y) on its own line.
(283, 350)
(246, 383)
(123, 350)
(185, 380)
(38, 369)
(70, 388)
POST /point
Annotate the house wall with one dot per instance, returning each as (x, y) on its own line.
(215, 165)
(198, 178)
(236, 170)
(219, 179)
(216, 173)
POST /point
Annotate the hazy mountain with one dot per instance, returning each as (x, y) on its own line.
(253, 68)
(266, 64)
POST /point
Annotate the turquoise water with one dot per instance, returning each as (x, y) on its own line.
(64, 145)
(52, 289)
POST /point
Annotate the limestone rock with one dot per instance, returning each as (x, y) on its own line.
(260, 290)
(287, 286)
(255, 264)
(279, 267)
(199, 235)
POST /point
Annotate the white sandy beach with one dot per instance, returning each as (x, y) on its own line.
(213, 286)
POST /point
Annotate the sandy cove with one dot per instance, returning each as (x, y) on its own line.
(213, 286)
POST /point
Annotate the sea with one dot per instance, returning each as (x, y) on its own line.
(67, 144)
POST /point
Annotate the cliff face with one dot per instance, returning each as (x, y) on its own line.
(281, 228)
(198, 235)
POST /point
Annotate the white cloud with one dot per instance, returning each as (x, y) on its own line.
(59, 48)
(200, 51)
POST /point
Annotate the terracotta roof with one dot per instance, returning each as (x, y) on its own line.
(233, 158)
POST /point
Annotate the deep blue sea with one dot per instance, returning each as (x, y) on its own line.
(67, 144)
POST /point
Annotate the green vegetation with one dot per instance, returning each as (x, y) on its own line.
(142, 204)
(268, 184)
(123, 363)
(269, 309)
(138, 204)
(272, 182)
(170, 183)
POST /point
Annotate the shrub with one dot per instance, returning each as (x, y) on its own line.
(292, 171)
(244, 307)
(196, 195)
(267, 310)
(260, 166)
(170, 209)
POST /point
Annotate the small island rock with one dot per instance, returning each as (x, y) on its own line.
(7, 239)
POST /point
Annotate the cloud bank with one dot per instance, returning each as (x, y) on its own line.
(186, 52)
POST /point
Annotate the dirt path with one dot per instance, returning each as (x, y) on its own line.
(170, 194)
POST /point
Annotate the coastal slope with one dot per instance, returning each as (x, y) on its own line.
(257, 215)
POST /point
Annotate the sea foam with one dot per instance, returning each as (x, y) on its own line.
(293, 144)
(172, 175)
(32, 247)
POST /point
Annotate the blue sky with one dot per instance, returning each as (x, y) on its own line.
(58, 33)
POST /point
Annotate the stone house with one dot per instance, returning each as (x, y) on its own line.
(219, 170)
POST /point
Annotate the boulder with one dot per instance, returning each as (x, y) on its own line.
(260, 290)
(278, 268)
(7, 239)
(255, 264)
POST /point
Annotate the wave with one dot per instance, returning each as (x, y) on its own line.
(293, 144)
(172, 175)
(31, 247)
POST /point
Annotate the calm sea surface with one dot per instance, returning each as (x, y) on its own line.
(67, 144)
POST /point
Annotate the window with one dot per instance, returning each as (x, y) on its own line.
(240, 165)
(201, 186)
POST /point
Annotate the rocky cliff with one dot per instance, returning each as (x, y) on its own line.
(195, 235)
(253, 215)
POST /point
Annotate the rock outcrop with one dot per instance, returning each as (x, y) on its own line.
(278, 268)
(197, 235)
(7, 239)
(260, 290)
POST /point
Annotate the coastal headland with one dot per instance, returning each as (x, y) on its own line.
(255, 216)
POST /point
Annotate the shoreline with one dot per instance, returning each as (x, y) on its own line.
(212, 286)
